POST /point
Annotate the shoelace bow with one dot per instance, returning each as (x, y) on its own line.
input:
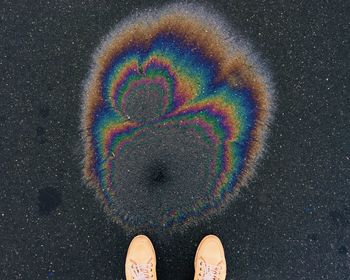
(141, 271)
(211, 272)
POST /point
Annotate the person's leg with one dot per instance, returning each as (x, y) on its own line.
(140, 261)
(210, 263)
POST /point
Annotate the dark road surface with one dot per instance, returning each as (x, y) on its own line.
(292, 222)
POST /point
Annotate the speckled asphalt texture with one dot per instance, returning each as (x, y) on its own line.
(293, 222)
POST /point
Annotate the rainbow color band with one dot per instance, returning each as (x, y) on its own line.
(207, 83)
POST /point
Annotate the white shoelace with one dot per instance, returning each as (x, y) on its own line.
(141, 271)
(211, 272)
